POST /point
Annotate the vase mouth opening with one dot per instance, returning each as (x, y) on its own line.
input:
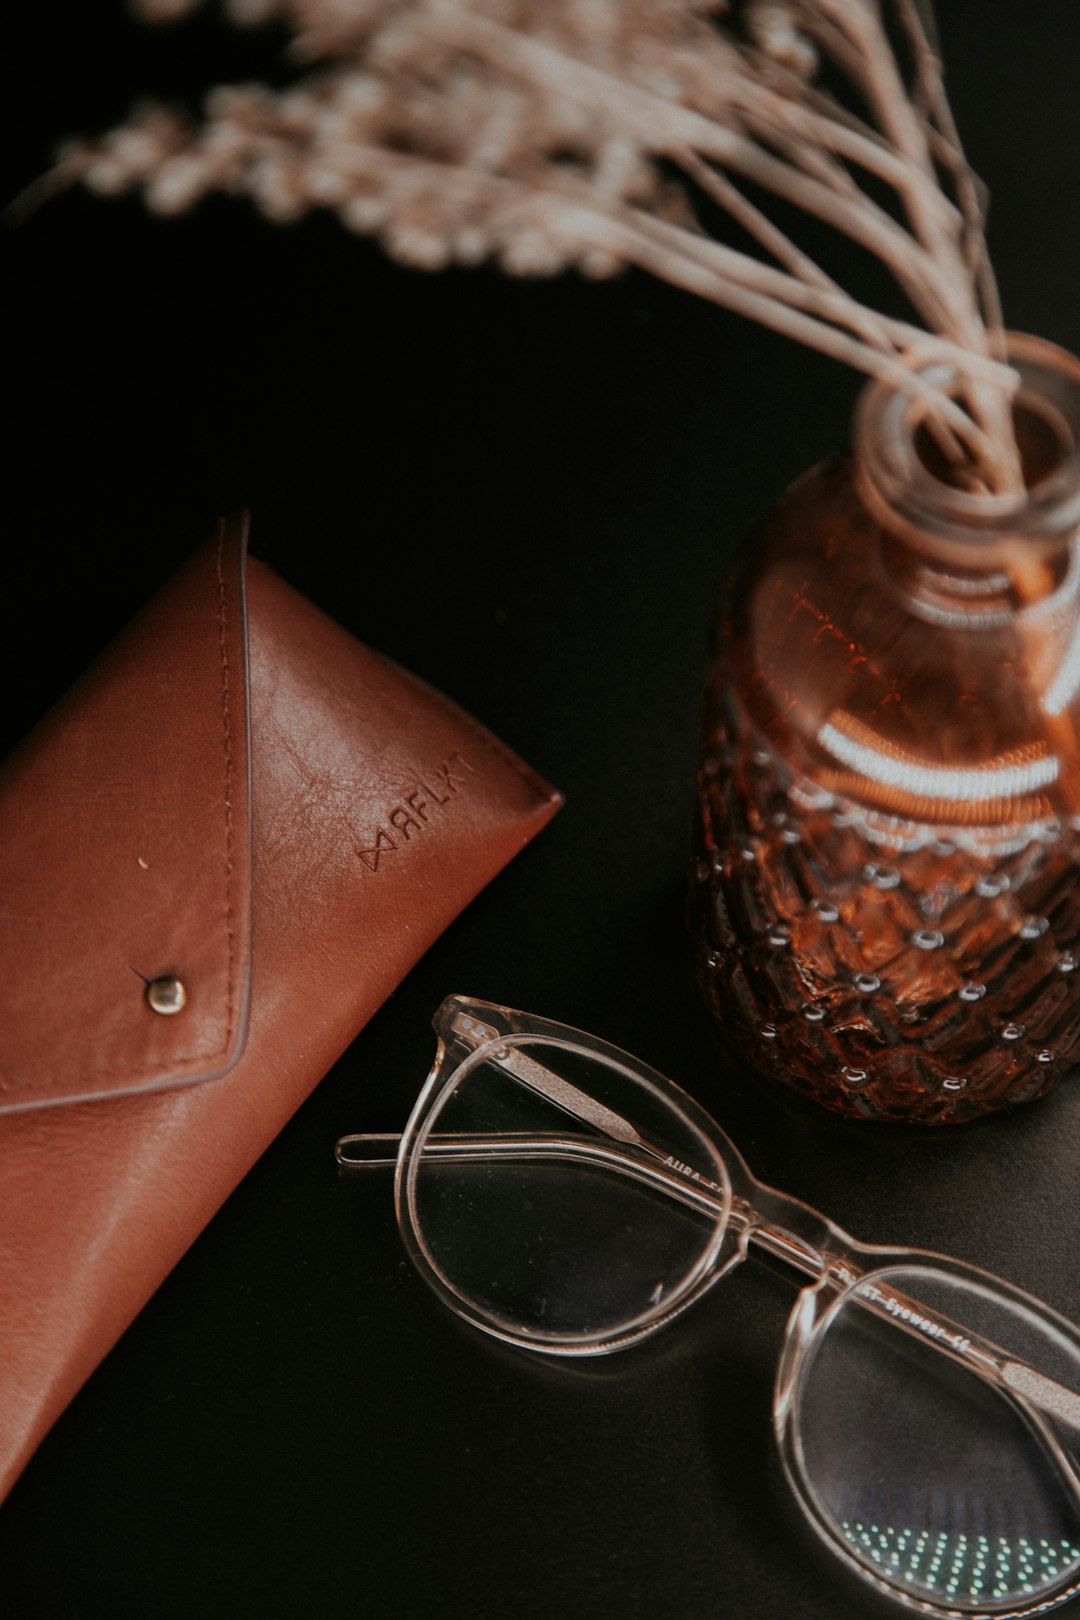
(904, 477)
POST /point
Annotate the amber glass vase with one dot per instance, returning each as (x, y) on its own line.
(885, 898)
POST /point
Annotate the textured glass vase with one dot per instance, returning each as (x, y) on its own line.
(885, 897)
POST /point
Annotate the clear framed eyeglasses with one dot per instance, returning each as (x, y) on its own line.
(568, 1199)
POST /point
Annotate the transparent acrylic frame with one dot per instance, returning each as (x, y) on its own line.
(745, 1212)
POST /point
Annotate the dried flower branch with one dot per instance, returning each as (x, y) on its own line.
(549, 133)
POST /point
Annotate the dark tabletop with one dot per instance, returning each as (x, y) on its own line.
(527, 493)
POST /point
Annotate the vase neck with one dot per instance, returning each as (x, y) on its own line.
(967, 544)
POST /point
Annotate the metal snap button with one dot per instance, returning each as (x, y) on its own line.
(166, 995)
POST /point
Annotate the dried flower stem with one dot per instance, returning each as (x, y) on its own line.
(667, 127)
(546, 133)
(947, 151)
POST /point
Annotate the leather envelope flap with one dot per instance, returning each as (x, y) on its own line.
(125, 856)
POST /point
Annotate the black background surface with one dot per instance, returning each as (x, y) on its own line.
(526, 493)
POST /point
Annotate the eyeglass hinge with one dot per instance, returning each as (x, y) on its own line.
(472, 1031)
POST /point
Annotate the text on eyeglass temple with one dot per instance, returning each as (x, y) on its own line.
(914, 1318)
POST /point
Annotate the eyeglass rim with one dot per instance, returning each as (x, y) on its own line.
(812, 1315)
(523, 1027)
(743, 1183)
(717, 1257)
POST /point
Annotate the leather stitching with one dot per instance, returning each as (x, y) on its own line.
(230, 912)
(178, 1061)
(491, 744)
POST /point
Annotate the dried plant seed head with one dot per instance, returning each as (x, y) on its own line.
(550, 133)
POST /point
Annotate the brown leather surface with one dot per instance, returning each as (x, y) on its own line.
(378, 810)
(124, 852)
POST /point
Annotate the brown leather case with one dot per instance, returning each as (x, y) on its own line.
(239, 795)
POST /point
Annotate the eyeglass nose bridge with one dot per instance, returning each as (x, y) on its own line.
(808, 1316)
(788, 1230)
(797, 1234)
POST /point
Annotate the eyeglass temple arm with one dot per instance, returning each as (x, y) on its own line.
(373, 1150)
(1026, 1389)
(1031, 1392)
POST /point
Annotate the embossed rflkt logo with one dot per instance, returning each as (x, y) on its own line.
(412, 813)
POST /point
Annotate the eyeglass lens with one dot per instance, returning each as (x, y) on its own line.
(932, 1477)
(553, 1237)
(582, 1204)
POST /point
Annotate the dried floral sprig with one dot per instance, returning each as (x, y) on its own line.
(549, 133)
